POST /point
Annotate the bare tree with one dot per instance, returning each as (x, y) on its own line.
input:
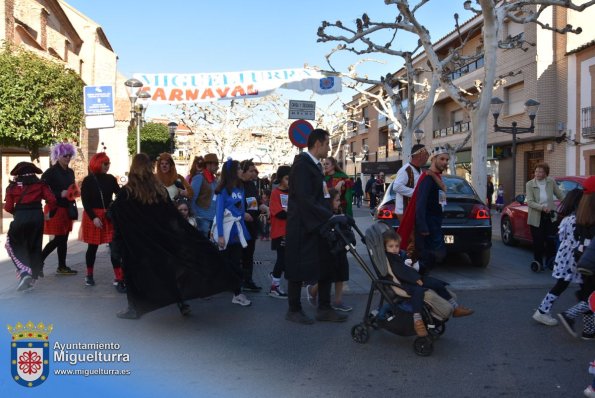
(475, 104)
(223, 127)
(397, 95)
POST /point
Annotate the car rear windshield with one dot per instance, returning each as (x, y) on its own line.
(457, 186)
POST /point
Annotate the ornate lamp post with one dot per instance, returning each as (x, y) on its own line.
(395, 138)
(418, 135)
(531, 107)
(172, 127)
(139, 102)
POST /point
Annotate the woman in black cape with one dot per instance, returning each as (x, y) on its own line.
(165, 260)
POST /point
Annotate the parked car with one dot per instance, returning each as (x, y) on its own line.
(467, 224)
(513, 221)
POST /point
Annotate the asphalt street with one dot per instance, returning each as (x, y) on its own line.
(223, 350)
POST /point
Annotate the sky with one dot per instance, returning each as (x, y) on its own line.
(182, 36)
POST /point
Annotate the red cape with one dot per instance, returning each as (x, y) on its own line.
(408, 224)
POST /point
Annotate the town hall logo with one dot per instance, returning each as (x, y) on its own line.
(29, 353)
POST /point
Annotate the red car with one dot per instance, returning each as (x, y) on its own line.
(513, 222)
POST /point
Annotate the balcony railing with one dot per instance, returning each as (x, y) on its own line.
(458, 128)
(588, 122)
(470, 67)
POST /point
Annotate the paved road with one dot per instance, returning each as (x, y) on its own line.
(223, 350)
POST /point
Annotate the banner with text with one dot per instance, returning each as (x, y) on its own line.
(176, 88)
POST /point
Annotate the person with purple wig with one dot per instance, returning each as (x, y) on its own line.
(60, 178)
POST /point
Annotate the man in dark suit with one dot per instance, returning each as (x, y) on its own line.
(308, 210)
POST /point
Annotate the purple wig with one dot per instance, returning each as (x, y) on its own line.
(61, 149)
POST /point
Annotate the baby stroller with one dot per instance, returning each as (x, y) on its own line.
(393, 311)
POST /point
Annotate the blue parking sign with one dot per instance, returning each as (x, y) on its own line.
(98, 100)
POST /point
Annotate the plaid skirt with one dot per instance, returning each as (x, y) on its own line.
(60, 224)
(90, 234)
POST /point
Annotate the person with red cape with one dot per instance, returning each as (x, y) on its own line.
(165, 259)
(423, 215)
(423, 219)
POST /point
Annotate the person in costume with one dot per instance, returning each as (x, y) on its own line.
(203, 200)
(585, 235)
(248, 176)
(423, 215)
(60, 178)
(176, 185)
(97, 192)
(165, 259)
(308, 211)
(407, 178)
(25, 234)
(336, 178)
(230, 231)
(197, 167)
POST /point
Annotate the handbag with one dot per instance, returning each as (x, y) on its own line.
(73, 212)
(108, 210)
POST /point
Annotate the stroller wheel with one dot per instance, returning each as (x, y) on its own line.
(360, 333)
(535, 266)
(437, 330)
(423, 346)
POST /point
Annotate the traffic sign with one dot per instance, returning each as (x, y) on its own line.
(299, 131)
(100, 121)
(302, 110)
(98, 100)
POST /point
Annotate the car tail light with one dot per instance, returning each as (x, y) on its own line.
(384, 214)
(480, 212)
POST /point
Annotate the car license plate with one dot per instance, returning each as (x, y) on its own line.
(449, 239)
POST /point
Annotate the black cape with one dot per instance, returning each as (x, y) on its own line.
(165, 259)
(307, 211)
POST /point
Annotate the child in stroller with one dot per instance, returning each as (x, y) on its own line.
(394, 310)
(414, 284)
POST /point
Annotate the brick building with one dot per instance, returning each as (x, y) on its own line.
(56, 31)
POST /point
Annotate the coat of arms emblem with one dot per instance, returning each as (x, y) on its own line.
(29, 353)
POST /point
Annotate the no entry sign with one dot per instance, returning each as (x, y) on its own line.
(299, 132)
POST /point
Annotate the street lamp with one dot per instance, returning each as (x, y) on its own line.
(172, 127)
(395, 138)
(531, 107)
(139, 102)
(419, 135)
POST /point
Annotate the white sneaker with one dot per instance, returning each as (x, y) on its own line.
(241, 299)
(546, 319)
(589, 392)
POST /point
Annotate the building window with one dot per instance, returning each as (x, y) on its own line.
(515, 98)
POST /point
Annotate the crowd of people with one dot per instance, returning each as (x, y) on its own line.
(175, 238)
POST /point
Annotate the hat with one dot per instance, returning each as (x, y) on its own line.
(282, 171)
(211, 158)
(23, 168)
(417, 148)
(439, 150)
(589, 185)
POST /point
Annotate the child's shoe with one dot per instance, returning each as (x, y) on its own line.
(276, 292)
(420, 328)
(25, 283)
(589, 392)
(462, 311)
